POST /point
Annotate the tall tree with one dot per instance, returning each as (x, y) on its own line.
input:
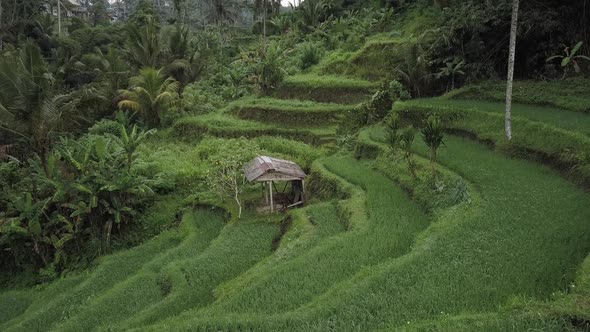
(29, 107)
(511, 59)
(98, 12)
(223, 11)
(150, 93)
(178, 9)
(143, 43)
(1, 26)
(264, 8)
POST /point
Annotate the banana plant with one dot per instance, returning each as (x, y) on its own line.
(452, 69)
(570, 58)
(28, 223)
(130, 140)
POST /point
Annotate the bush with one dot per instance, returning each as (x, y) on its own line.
(265, 66)
(433, 135)
(86, 192)
(200, 98)
(310, 54)
(104, 127)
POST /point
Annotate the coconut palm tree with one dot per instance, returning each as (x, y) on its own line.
(113, 71)
(143, 44)
(511, 59)
(29, 108)
(150, 94)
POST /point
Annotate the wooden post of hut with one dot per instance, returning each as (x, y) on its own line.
(269, 170)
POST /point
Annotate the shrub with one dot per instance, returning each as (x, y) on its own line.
(265, 66)
(393, 135)
(310, 55)
(380, 104)
(433, 135)
(406, 140)
(200, 98)
(105, 126)
(227, 159)
(86, 188)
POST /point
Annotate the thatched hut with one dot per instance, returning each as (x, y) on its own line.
(268, 171)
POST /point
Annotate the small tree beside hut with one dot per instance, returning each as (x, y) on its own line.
(225, 176)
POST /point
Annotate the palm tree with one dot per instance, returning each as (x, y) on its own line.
(414, 71)
(511, 59)
(178, 8)
(143, 44)
(28, 107)
(313, 12)
(113, 71)
(184, 64)
(150, 94)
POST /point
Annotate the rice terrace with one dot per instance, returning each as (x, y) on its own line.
(302, 165)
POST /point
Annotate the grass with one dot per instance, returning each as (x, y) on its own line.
(367, 259)
(558, 118)
(375, 249)
(518, 246)
(192, 279)
(221, 125)
(387, 232)
(327, 89)
(567, 151)
(373, 62)
(289, 112)
(570, 94)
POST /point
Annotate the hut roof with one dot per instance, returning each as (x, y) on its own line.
(264, 168)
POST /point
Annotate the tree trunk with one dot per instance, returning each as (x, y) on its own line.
(107, 229)
(511, 59)
(58, 18)
(239, 205)
(264, 18)
(39, 253)
(1, 29)
(129, 161)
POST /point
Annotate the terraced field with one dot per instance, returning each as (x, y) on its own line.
(365, 254)
(312, 119)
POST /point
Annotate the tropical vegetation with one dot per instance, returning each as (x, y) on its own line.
(446, 146)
